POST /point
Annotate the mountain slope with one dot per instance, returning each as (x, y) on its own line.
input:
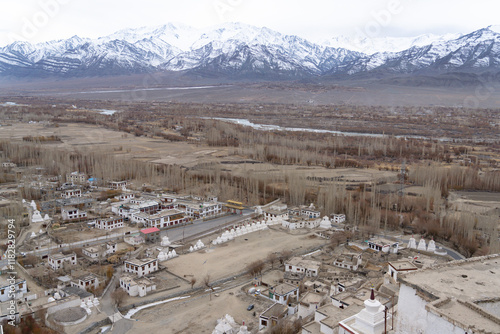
(237, 49)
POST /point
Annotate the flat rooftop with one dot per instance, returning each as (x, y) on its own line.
(140, 262)
(459, 287)
(403, 265)
(470, 279)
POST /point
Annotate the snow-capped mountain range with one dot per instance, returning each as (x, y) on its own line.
(237, 49)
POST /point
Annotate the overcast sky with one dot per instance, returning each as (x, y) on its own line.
(43, 20)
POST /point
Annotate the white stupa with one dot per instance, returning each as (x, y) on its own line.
(36, 217)
(96, 301)
(174, 253)
(369, 320)
(191, 249)
(421, 245)
(325, 223)
(165, 242)
(33, 235)
(33, 205)
(412, 243)
(46, 217)
(432, 246)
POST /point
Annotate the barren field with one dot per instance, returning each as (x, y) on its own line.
(198, 314)
(83, 137)
(475, 201)
(232, 257)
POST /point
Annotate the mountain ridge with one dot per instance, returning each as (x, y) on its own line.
(236, 49)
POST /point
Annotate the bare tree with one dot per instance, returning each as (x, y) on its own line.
(272, 258)
(193, 282)
(255, 268)
(285, 255)
(208, 284)
(118, 296)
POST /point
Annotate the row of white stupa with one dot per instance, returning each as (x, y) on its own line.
(163, 256)
(89, 304)
(33, 234)
(241, 230)
(199, 245)
(421, 245)
(36, 217)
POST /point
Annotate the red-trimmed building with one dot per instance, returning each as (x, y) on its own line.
(151, 234)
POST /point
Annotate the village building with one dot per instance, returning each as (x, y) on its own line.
(202, 209)
(92, 252)
(309, 303)
(284, 293)
(382, 245)
(349, 261)
(9, 291)
(327, 318)
(456, 297)
(400, 267)
(271, 316)
(76, 178)
(110, 223)
(137, 287)
(161, 219)
(119, 185)
(337, 218)
(151, 234)
(111, 247)
(8, 164)
(128, 210)
(72, 213)
(57, 261)
(298, 264)
(294, 278)
(85, 282)
(124, 197)
(278, 212)
(70, 193)
(140, 267)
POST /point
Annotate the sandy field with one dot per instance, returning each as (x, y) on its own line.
(200, 313)
(231, 258)
(475, 201)
(86, 137)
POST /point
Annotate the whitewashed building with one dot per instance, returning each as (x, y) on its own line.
(137, 286)
(71, 193)
(85, 282)
(350, 261)
(337, 218)
(9, 290)
(56, 261)
(110, 223)
(394, 268)
(300, 265)
(71, 213)
(161, 219)
(457, 297)
(140, 267)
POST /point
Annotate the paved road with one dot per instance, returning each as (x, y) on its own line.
(200, 227)
(175, 235)
(454, 254)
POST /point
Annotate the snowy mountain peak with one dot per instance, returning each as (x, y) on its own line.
(386, 44)
(241, 49)
(495, 28)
